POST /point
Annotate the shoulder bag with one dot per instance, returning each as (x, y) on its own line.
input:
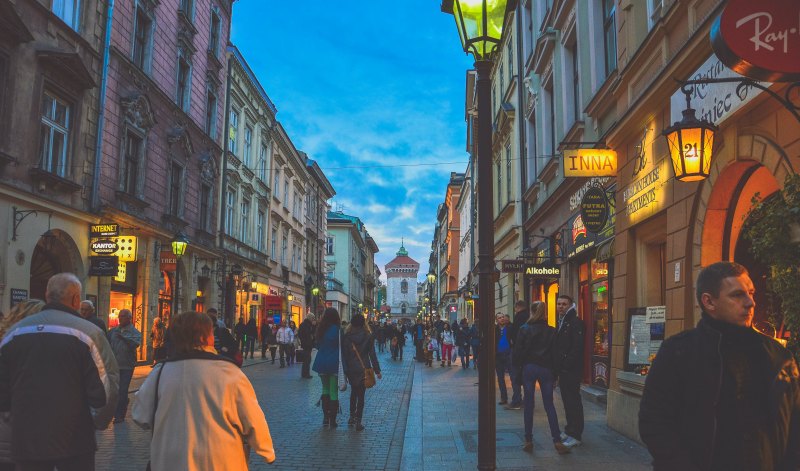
(369, 373)
(341, 377)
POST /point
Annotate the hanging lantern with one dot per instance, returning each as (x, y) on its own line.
(691, 143)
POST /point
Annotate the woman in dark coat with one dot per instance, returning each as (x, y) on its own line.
(358, 342)
(326, 364)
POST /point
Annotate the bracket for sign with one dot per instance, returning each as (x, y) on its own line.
(582, 144)
(790, 99)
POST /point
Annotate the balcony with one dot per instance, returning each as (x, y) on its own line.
(332, 284)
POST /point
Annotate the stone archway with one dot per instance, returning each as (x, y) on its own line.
(54, 253)
(723, 200)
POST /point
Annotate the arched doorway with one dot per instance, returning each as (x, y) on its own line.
(54, 253)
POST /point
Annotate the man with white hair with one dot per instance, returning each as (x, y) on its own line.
(59, 380)
(88, 312)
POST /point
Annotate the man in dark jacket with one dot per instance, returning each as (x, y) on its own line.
(59, 380)
(88, 312)
(251, 333)
(568, 367)
(521, 315)
(722, 396)
(306, 335)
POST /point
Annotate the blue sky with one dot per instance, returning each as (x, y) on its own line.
(371, 83)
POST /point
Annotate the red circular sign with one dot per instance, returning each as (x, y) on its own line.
(759, 39)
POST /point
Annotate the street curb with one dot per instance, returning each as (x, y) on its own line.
(398, 437)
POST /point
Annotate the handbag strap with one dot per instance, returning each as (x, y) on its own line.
(155, 403)
(359, 356)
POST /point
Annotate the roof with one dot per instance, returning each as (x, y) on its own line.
(401, 260)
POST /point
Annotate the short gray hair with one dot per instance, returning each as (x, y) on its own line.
(89, 303)
(61, 287)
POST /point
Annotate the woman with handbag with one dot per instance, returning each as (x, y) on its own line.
(326, 364)
(201, 408)
(360, 365)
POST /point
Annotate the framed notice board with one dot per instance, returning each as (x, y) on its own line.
(644, 338)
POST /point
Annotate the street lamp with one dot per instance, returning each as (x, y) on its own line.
(480, 27)
(179, 244)
(431, 281)
(691, 142)
(315, 293)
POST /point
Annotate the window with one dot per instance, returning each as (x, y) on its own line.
(248, 145)
(499, 185)
(184, 83)
(131, 163)
(510, 50)
(276, 185)
(576, 89)
(262, 163)
(213, 43)
(175, 189)
(233, 132)
(273, 242)
(404, 286)
(284, 246)
(54, 139)
(205, 206)
(286, 193)
(141, 39)
(244, 223)
(609, 35)
(508, 172)
(230, 199)
(260, 219)
(502, 82)
(654, 8)
(294, 258)
(211, 113)
(551, 115)
(329, 246)
(187, 8)
(68, 10)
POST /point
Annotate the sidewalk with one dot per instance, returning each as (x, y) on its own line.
(442, 430)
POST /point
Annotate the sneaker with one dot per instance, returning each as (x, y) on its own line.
(564, 436)
(571, 442)
(513, 407)
(528, 446)
(561, 448)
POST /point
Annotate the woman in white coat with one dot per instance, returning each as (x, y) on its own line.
(201, 407)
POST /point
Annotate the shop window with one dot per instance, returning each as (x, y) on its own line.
(55, 133)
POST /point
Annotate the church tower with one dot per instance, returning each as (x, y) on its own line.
(401, 284)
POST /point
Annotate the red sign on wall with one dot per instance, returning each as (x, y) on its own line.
(759, 39)
(168, 260)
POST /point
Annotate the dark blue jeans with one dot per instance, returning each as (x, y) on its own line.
(502, 365)
(125, 377)
(463, 352)
(532, 374)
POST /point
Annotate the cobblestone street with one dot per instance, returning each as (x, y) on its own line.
(417, 418)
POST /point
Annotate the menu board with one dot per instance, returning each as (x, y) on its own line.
(645, 337)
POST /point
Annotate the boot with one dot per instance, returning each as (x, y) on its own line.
(359, 425)
(333, 410)
(326, 406)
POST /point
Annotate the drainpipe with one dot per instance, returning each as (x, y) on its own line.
(94, 198)
(223, 191)
(521, 121)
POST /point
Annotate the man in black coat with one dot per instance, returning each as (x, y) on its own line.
(306, 335)
(521, 315)
(721, 395)
(568, 367)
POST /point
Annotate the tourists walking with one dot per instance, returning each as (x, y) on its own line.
(239, 334)
(17, 313)
(200, 406)
(306, 335)
(568, 367)
(722, 396)
(272, 341)
(326, 364)
(448, 341)
(475, 343)
(65, 383)
(358, 357)
(89, 313)
(285, 338)
(462, 337)
(292, 351)
(157, 337)
(521, 315)
(503, 361)
(125, 340)
(251, 333)
(224, 343)
(533, 352)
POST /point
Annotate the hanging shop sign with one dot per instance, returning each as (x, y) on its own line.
(590, 163)
(595, 209)
(168, 261)
(543, 271)
(714, 102)
(18, 295)
(575, 199)
(103, 230)
(512, 266)
(104, 246)
(103, 265)
(760, 40)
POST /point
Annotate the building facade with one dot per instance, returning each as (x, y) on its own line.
(347, 263)
(319, 193)
(401, 285)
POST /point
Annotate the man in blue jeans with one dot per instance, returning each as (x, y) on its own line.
(502, 363)
(124, 340)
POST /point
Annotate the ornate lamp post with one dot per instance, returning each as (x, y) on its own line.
(431, 281)
(480, 27)
(315, 293)
(178, 244)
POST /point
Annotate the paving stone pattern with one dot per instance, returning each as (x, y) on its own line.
(442, 431)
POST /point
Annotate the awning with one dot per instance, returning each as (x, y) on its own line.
(605, 251)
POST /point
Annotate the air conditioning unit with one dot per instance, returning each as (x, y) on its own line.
(255, 297)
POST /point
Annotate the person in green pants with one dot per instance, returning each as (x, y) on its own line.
(326, 364)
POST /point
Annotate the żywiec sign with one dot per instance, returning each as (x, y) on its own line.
(759, 39)
(590, 163)
(714, 102)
